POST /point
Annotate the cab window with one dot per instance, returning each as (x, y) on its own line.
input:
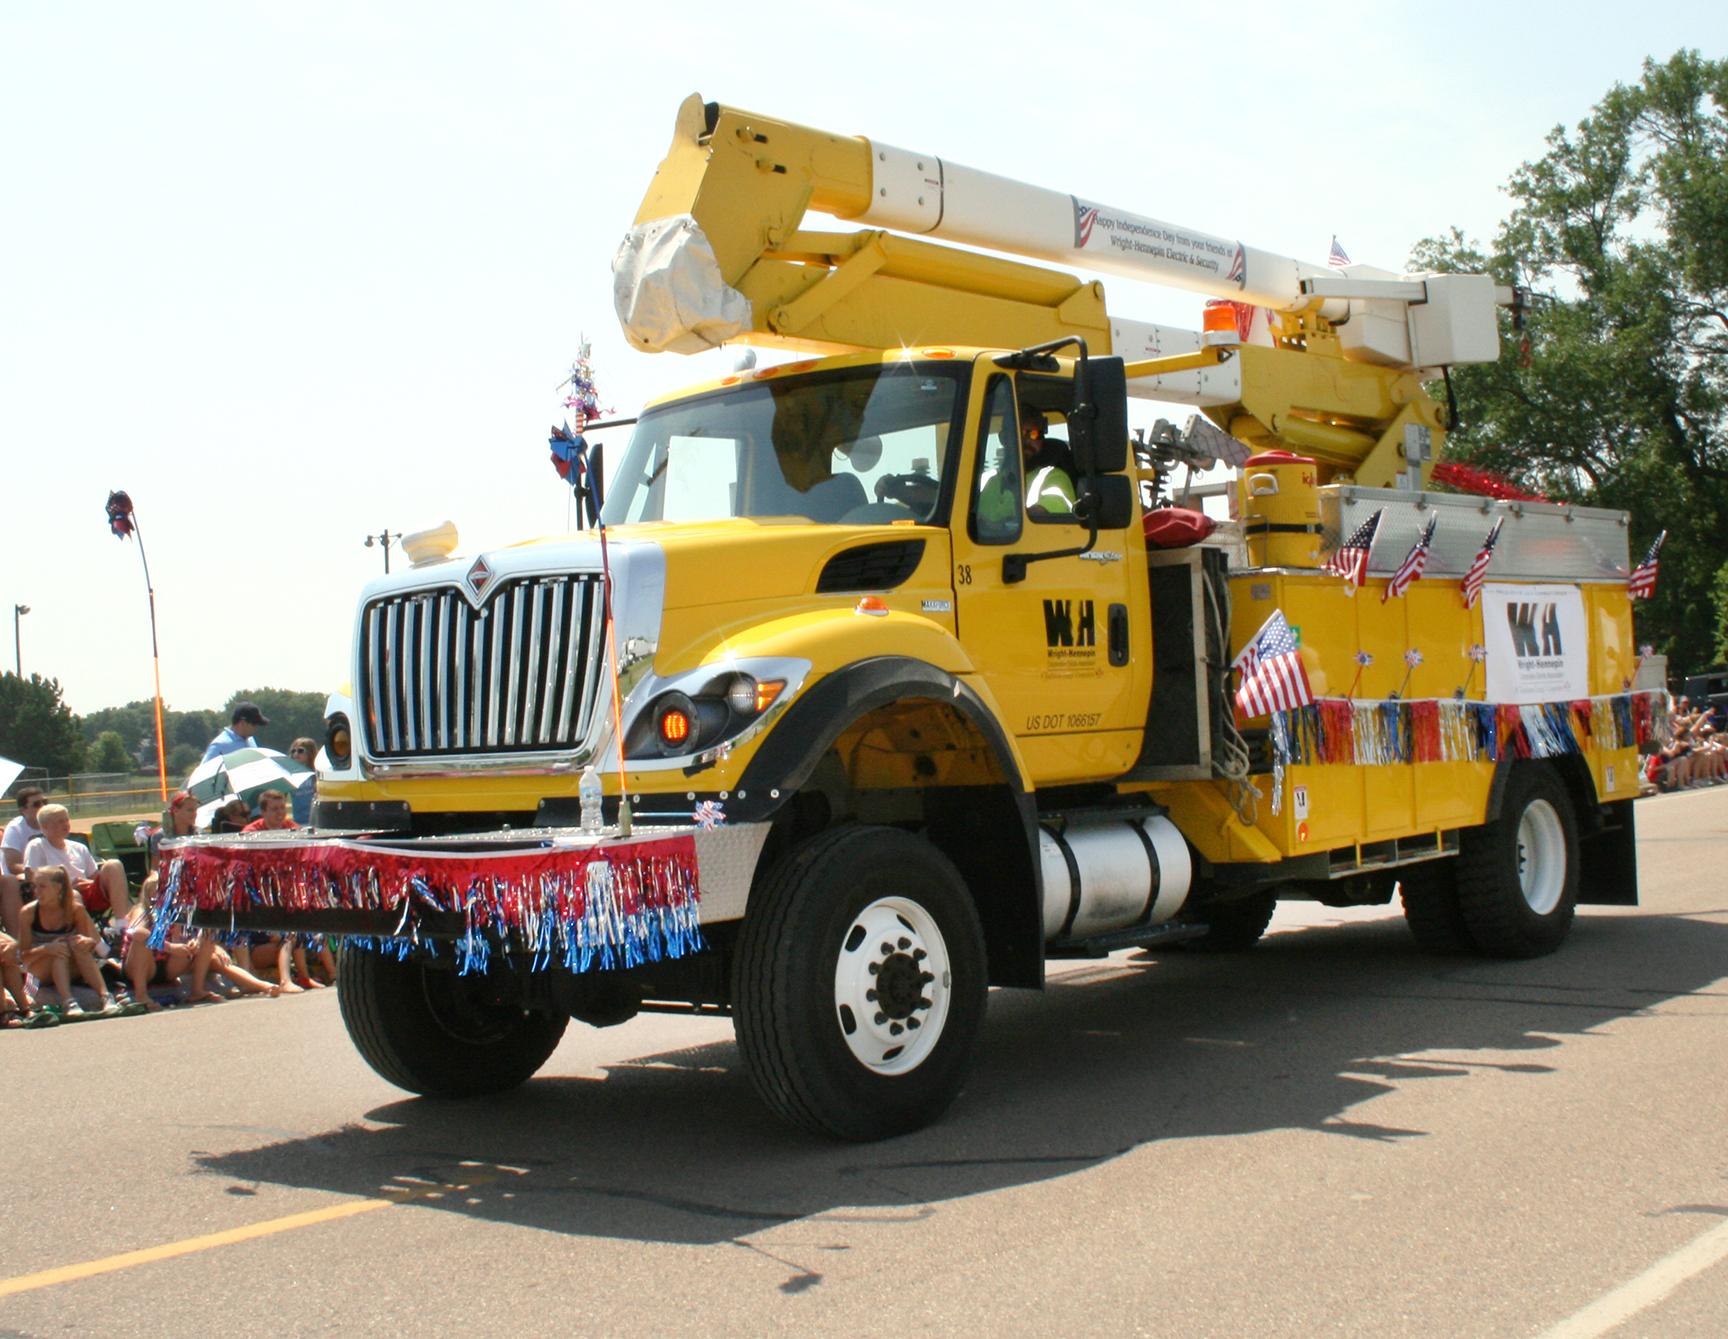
(996, 480)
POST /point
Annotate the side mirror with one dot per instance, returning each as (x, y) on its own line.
(1098, 428)
(1109, 498)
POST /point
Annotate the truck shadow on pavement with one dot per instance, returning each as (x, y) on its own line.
(1299, 1033)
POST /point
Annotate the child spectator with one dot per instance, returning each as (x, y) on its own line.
(201, 955)
(272, 813)
(180, 820)
(55, 935)
(266, 950)
(101, 887)
(231, 817)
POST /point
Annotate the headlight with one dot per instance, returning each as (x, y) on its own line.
(741, 696)
(677, 724)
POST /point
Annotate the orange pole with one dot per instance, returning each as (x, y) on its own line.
(155, 661)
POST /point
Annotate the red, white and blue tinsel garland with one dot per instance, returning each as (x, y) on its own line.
(1373, 733)
(580, 907)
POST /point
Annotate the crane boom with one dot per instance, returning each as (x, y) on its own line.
(718, 252)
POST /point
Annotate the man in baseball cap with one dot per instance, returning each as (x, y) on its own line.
(244, 722)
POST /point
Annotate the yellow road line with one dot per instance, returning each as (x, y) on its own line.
(48, 1278)
(416, 1188)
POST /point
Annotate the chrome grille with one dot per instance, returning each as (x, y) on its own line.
(519, 675)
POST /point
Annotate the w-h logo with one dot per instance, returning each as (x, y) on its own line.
(1535, 630)
(1060, 627)
(1085, 217)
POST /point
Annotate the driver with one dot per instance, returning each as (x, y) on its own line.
(1049, 487)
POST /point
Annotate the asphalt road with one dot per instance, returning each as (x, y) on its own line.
(1330, 1135)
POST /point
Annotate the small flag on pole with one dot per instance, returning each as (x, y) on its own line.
(1277, 681)
(1410, 570)
(1351, 559)
(1478, 573)
(1336, 257)
(1641, 585)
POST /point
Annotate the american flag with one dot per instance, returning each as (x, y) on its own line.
(1478, 573)
(1410, 570)
(1336, 257)
(1351, 559)
(1277, 681)
(1641, 585)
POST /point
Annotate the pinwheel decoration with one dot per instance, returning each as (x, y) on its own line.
(120, 519)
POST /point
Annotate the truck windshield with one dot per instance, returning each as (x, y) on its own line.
(858, 446)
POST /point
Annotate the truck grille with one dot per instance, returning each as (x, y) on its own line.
(519, 675)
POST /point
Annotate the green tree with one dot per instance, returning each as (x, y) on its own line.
(1616, 392)
(109, 754)
(182, 758)
(36, 727)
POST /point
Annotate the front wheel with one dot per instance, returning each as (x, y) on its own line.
(437, 1033)
(1518, 876)
(859, 984)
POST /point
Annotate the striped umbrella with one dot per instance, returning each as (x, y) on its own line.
(246, 773)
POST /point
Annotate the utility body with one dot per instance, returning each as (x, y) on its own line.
(880, 725)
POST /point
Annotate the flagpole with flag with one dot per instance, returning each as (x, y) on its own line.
(1415, 563)
(1351, 559)
(1641, 585)
(123, 521)
(1471, 586)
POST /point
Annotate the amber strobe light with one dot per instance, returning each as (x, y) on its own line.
(674, 725)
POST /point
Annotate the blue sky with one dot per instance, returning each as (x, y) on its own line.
(291, 274)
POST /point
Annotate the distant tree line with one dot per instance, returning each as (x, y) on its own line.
(38, 729)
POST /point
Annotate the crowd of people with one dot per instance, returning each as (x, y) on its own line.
(1696, 753)
(70, 922)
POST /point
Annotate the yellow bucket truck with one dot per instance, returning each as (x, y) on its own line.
(887, 696)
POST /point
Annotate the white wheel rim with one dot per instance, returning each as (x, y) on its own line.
(892, 984)
(1541, 857)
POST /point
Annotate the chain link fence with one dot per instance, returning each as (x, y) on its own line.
(93, 794)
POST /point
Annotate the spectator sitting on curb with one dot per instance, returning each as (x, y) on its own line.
(233, 816)
(20, 832)
(306, 751)
(266, 949)
(180, 820)
(101, 887)
(244, 722)
(201, 955)
(15, 1009)
(56, 935)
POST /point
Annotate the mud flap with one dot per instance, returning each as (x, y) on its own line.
(1608, 859)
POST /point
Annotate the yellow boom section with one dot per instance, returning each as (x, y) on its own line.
(740, 184)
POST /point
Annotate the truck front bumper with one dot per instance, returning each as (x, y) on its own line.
(555, 897)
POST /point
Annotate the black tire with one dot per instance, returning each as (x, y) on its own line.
(1429, 893)
(1233, 926)
(438, 1033)
(1518, 876)
(855, 907)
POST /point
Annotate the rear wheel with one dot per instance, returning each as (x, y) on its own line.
(1518, 876)
(1429, 893)
(859, 985)
(1235, 925)
(439, 1033)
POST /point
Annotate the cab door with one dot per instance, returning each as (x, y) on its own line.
(1055, 648)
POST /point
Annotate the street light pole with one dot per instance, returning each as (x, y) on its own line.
(18, 612)
(385, 538)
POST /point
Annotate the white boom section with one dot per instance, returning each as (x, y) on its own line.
(1418, 321)
(923, 194)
